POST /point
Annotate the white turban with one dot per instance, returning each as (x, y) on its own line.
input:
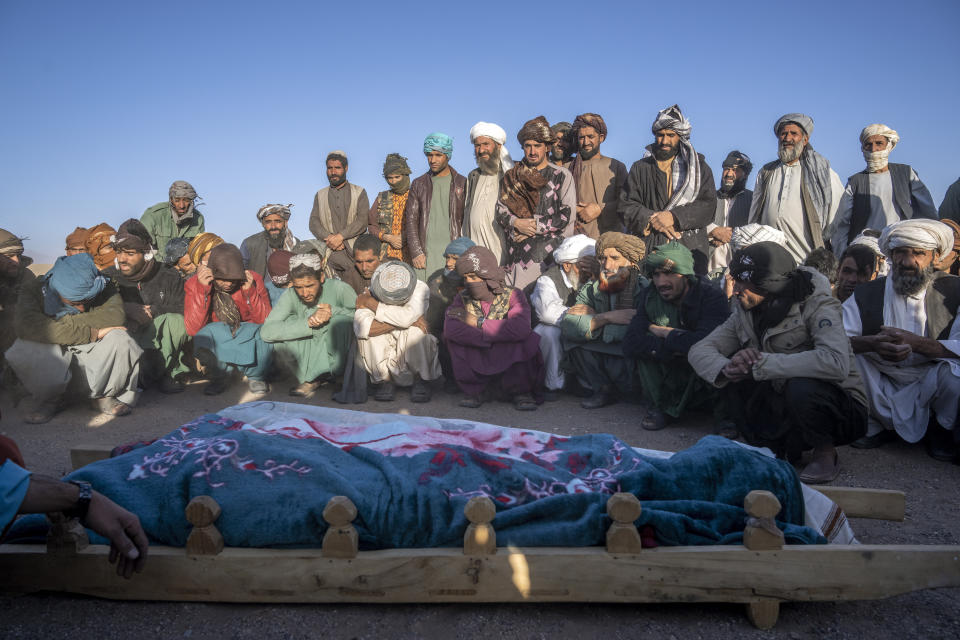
(877, 160)
(753, 233)
(917, 234)
(574, 248)
(496, 133)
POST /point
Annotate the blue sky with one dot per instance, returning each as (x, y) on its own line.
(106, 103)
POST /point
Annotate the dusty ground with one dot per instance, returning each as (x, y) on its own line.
(933, 516)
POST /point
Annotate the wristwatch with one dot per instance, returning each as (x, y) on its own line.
(480, 322)
(83, 500)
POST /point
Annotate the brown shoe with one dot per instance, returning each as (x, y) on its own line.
(111, 406)
(305, 389)
(822, 468)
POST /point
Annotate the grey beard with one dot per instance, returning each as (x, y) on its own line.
(788, 155)
(910, 285)
(489, 166)
(574, 277)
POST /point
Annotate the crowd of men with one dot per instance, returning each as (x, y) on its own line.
(804, 315)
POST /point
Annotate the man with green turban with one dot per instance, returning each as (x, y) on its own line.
(676, 311)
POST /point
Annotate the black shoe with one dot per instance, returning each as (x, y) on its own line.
(654, 420)
(385, 392)
(727, 429)
(874, 441)
(168, 385)
(217, 386)
(940, 445)
(471, 402)
(600, 398)
(420, 391)
(551, 395)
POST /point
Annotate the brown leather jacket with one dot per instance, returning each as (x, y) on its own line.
(417, 211)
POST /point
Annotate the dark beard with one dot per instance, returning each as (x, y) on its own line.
(728, 192)
(665, 154)
(558, 154)
(489, 166)
(275, 241)
(314, 303)
(910, 284)
(336, 181)
(586, 155)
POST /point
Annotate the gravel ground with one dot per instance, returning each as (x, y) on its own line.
(933, 513)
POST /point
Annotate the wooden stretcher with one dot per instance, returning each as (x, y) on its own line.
(762, 573)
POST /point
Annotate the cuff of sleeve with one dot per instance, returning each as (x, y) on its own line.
(711, 227)
(362, 321)
(14, 480)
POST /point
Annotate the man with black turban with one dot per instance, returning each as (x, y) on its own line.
(488, 333)
(670, 193)
(385, 220)
(68, 321)
(175, 218)
(599, 179)
(13, 274)
(153, 303)
(537, 205)
(675, 312)
(594, 327)
(733, 209)
(276, 236)
(795, 383)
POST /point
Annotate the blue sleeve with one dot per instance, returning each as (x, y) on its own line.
(14, 481)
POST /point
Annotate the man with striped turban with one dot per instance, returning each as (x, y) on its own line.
(385, 220)
(904, 331)
(670, 193)
(599, 180)
(483, 187)
(72, 320)
(14, 274)
(434, 214)
(594, 327)
(276, 235)
(339, 213)
(798, 192)
(393, 340)
(175, 218)
(675, 312)
(537, 205)
(881, 194)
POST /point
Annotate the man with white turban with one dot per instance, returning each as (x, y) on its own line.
(903, 329)
(798, 192)
(881, 194)
(276, 235)
(175, 218)
(483, 187)
(555, 292)
(670, 194)
(393, 340)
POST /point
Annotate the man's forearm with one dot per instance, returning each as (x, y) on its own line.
(46, 495)
(861, 344)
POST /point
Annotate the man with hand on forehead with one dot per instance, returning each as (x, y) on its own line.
(786, 362)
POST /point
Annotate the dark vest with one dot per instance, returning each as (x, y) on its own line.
(941, 302)
(258, 248)
(567, 294)
(860, 182)
(739, 210)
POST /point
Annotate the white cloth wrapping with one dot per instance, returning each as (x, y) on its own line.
(574, 248)
(874, 243)
(496, 133)
(877, 160)
(918, 234)
(753, 233)
(403, 352)
(901, 394)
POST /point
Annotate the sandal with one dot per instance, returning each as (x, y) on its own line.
(524, 402)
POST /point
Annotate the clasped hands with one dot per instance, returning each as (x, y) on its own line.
(741, 364)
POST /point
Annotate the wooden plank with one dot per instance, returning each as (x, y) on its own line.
(677, 574)
(879, 504)
(83, 455)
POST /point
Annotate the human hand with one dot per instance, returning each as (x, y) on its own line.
(720, 236)
(589, 268)
(105, 330)
(746, 358)
(659, 330)
(525, 226)
(663, 221)
(321, 316)
(367, 301)
(619, 316)
(249, 280)
(204, 275)
(734, 372)
(394, 240)
(128, 542)
(588, 212)
(421, 323)
(890, 346)
(420, 262)
(581, 310)
(135, 313)
(334, 241)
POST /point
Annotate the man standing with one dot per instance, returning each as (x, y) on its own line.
(385, 220)
(599, 180)
(311, 325)
(339, 212)
(798, 192)
(594, 327)
(950, 207)
(14, 274)
(483, 187)
(175, 218)
(678, 310)
(670, 193)
(393, 340)
(72, 320)
(536, 207)
(434, 213)
(793, 381)
(907, 341)
(881, 194)
(256, 249)
(733, 209)
(561, 150)
(153, 304)
(554, 293)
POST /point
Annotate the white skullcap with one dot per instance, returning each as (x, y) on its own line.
(753, 233)
(575, 247)
(917, 234)
(496, 133)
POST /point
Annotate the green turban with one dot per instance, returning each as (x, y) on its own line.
(672, 257)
